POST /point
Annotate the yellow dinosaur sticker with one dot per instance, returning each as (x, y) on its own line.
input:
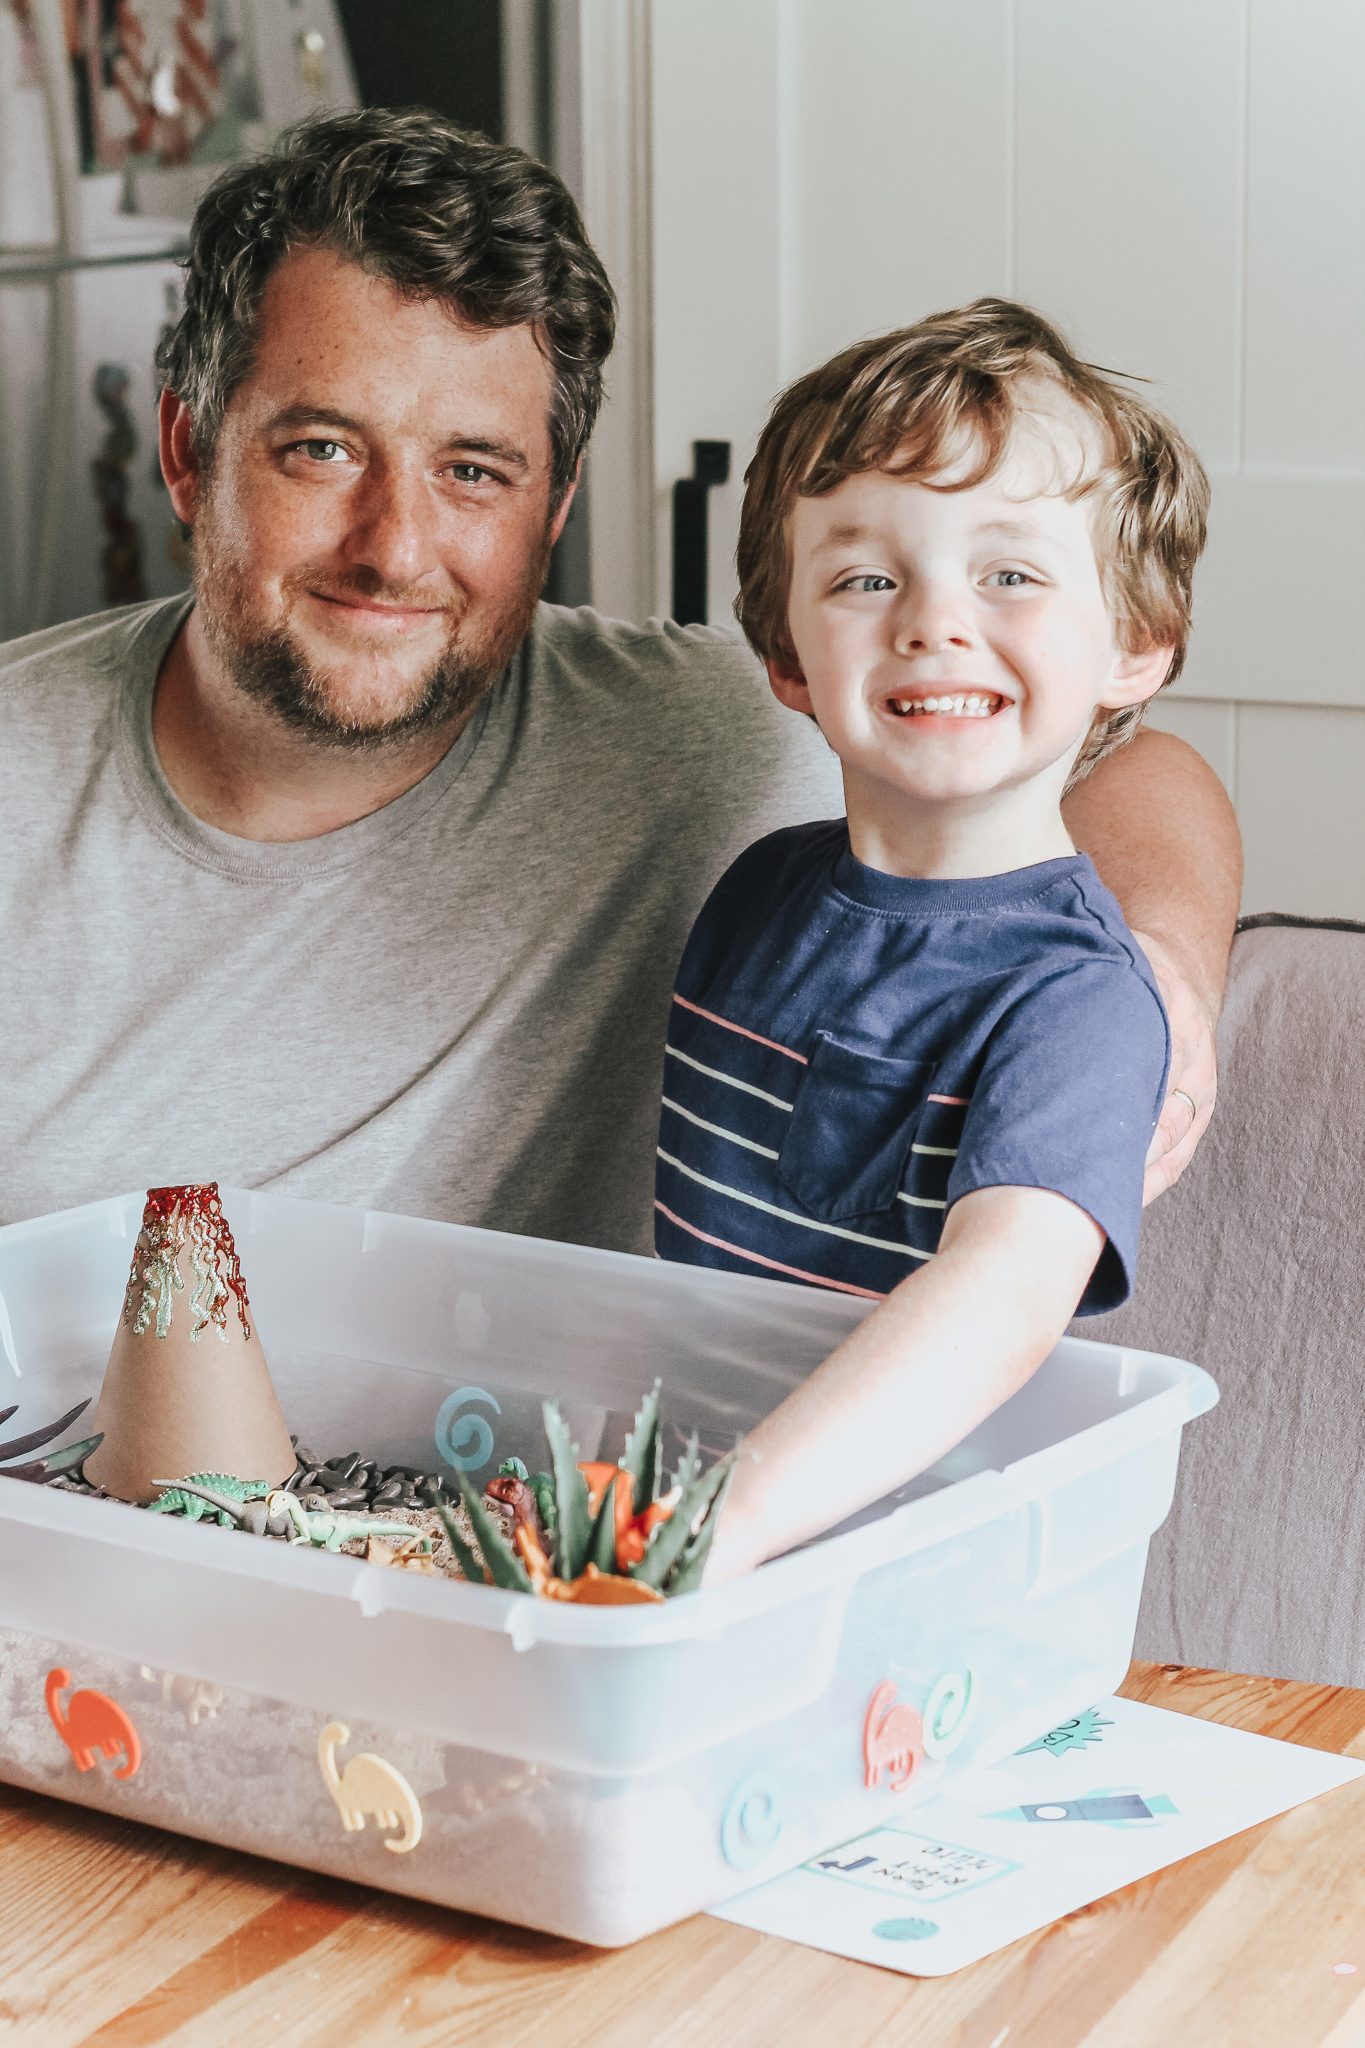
(368, 1785)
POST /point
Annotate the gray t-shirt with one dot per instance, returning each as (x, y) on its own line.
(454, 1008)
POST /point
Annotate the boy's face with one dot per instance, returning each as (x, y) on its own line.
(954, 645)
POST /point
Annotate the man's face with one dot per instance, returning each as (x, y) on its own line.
(372, 534)
(955, 644)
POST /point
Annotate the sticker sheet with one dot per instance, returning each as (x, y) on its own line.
(1107, 1797)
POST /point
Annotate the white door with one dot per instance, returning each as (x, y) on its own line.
(1181, 185)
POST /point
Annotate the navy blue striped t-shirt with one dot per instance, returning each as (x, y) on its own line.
(849, 1052)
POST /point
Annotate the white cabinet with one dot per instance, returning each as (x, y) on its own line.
(1181, 185)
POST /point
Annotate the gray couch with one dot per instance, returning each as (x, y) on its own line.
(1254, 1267)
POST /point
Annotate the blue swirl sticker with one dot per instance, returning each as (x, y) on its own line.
(465, 1440)
(753, 1821)
(948, 1709)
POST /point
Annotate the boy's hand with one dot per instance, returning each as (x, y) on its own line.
(1193, 1083)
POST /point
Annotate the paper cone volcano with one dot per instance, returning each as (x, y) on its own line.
(187, 1388)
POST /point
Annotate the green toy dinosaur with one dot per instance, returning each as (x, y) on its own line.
(280, 1514)
(183, 1496)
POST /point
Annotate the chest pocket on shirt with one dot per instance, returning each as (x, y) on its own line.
(852, 1125)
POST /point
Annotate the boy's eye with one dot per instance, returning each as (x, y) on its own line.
(1010, 579)
(867, 583)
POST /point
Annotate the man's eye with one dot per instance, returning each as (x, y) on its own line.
(470, 473)
(321, 451)
(868, 584)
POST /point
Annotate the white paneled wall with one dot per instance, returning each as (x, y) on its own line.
(1180, 184)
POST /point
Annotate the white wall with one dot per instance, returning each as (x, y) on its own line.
(1180, 184)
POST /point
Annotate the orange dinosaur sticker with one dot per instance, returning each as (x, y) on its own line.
(893, 1739)
(92, 1722)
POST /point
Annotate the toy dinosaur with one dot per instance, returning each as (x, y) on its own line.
(177, 1501)
(68, 1460)
(403, 1557)
(608, 1534)
(259, 1517)
(280, 1514)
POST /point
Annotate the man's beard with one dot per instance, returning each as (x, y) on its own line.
(269, 665)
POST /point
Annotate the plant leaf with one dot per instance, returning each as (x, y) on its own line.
(672, 1537)
(602, 1544)
(643, 1457)
(505, 1568)
(73, 1455)
(59, 1461)
(687, 1573)
(19, 1444)
(690, 1465)
(574, 1533)
(464, 1556)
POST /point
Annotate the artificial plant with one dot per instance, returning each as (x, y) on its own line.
(72, 1457)
(594, 1532)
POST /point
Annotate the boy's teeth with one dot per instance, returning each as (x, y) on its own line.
(969, 705)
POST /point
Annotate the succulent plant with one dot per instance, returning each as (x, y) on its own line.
(593, 1532)
(66, 1460)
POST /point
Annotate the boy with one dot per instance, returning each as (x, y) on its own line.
(916, 1056)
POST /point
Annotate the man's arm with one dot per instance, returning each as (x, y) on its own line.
(1158, 825)
(934, 1359)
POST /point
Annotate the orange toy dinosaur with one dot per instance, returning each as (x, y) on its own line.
(92, 1722)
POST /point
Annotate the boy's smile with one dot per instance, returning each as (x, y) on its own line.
(954, 646)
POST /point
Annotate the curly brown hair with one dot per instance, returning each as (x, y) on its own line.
(439, 212)
(910, 403)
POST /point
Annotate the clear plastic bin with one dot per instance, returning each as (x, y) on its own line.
(596, 1772)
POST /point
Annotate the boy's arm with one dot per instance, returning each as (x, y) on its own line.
(1158, 825)
(937, 1356)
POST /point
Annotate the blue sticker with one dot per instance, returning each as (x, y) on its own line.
(1110, 1805)
(951, 1703)
(905, 1930)
(465, 1440)
(752, 1823)
(1072, 1734)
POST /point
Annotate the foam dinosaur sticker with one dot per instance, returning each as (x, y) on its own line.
(92, 1723)
(369, 1785)
(893, 1739)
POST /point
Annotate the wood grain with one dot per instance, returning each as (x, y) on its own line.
(118, 1936)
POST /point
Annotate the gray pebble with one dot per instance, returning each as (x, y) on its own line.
(389, 1491)
(348, 1497)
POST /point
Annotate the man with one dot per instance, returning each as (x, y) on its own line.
(358, 877)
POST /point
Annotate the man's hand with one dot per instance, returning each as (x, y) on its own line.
(1193, 1083)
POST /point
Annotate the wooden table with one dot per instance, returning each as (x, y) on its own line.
(121, 1936)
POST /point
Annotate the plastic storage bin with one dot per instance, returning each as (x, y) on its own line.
(594, 1772)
